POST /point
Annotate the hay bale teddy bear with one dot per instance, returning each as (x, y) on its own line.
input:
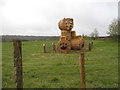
(68, 39)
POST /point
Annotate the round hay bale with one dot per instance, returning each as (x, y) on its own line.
(63, 46)
(77, 43)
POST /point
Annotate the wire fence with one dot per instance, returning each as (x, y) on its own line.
(52, 65)
(66, 68)
(51, 48)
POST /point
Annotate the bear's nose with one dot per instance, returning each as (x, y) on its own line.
(71, 26)
(63, 47)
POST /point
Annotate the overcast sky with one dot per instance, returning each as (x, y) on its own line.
(41, 17)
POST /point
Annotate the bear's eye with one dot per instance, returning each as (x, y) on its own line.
(70, 22)
(66, 22)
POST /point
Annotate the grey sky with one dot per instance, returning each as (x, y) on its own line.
(41, 17)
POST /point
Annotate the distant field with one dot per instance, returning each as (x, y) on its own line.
(53, 70)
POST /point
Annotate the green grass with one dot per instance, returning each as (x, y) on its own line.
(54, 70)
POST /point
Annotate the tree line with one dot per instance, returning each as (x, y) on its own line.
(113, 31)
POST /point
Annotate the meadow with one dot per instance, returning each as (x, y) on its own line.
(58, 70)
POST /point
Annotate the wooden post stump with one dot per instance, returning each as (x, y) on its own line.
(92, 44)
(53, 45)
(82, 71)
(44, 48)
(89, 46)
(18, 63)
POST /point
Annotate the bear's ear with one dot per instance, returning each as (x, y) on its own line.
(63, 18)
(72, 19)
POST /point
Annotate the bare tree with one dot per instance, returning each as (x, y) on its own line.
(113, 29)
(94, 34)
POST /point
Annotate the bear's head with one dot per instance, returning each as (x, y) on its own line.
(66, 24)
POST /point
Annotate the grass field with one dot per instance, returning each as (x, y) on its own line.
(53, 70)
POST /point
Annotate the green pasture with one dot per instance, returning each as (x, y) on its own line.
(55, 70)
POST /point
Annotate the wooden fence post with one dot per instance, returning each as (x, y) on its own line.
(89, 46)
(82, 71)
(44, 48)
(92, 44)
(53, 45)
(54, 49)
(18, 63)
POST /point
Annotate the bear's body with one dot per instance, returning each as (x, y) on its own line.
(68, 39)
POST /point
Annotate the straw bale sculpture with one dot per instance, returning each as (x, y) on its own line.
(68, 39)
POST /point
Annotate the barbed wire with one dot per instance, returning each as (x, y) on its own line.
(51, 47)
(70, 72)
(64, 65)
